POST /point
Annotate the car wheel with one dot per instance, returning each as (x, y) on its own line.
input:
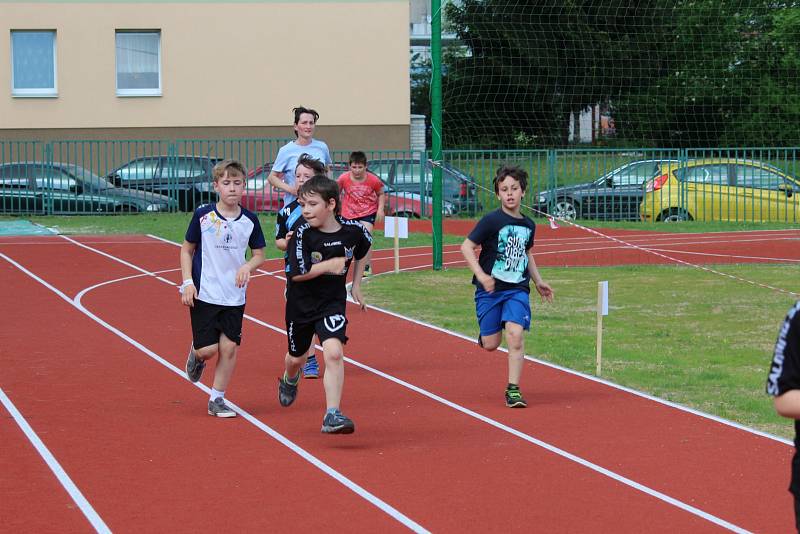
(565, 208)
(675, 215)
(407, 214)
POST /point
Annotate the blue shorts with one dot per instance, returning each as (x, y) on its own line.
(495, 309)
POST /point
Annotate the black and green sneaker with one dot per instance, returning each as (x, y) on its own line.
(287, 389)
(514, 398)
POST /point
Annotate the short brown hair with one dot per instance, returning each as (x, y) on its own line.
(517, 173)
(324, 187)
(227, 165)
(310, 162)
(358, 157)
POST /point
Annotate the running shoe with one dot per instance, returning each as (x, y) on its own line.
(287, 391)
(311, 368)
(194, 367)
(514, 398)
(337, 423)
(218, 408)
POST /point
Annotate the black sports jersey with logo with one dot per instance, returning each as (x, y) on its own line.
(326, 294)
(784, 373)
(288, 219)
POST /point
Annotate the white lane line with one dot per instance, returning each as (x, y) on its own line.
(66, 482)
(567, 370)
(355, 488)
(552, 448)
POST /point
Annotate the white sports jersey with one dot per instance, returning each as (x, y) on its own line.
(221, 246)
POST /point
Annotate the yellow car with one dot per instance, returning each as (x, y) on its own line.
(721, 190)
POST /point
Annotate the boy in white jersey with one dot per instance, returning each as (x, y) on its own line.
(502, 275)
(215, 276)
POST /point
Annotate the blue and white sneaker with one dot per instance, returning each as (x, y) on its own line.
(311, 368)
(337, 423)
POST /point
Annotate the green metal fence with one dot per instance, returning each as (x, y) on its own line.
(706, 184)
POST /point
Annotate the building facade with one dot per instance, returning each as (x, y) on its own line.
(167, 70)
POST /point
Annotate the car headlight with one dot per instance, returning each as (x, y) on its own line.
(542, 199)
(154, 207)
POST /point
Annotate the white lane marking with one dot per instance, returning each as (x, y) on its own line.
(63, 478)
(355, 488)
(567, 370)
(552, 448)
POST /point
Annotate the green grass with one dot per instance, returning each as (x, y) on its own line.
(678, 333)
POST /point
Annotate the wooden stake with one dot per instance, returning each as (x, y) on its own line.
(396, 244)
(599, 328)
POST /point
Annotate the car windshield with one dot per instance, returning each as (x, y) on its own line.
(89, 179)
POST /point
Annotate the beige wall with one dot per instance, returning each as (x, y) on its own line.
(227, 67)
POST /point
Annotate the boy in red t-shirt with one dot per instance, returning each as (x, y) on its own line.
(362, 195)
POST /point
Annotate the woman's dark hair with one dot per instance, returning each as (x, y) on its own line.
(323, 186)
(515, 172)
(299, 110)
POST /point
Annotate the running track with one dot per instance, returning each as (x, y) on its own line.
(93, 346)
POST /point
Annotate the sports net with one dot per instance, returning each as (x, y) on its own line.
(654, 73)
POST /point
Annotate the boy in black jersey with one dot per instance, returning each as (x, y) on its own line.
(783, 383)
(320, 253)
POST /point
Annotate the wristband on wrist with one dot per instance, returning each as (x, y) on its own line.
(186, 283)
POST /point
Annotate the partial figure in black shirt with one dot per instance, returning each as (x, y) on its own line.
(783, 384)
(320, 254)
(289, 218)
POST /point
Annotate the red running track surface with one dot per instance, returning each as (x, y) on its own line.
(434, 443)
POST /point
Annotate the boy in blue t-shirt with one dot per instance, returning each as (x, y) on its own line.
(502, 274)
(282, 175)
(215, 276)
(289, 218)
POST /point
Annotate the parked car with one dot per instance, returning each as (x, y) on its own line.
(64, 188)
(722, 190)
(406, 176)
(184, 178)
(412, 205)
(259, 196)
(614, 196)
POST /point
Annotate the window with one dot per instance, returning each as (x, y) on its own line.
(636, 173)
(33, 63)
(141, 169)
(138, 63)
(757, 177)
(707, 174)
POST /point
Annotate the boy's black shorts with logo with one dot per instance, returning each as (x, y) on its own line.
(300, 334)
(211, 320)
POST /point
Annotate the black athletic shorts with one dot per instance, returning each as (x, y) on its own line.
(300, 334)
(366, 218)
(211, 320)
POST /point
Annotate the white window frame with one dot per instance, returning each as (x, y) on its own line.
(25, 92)
(137, 92)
